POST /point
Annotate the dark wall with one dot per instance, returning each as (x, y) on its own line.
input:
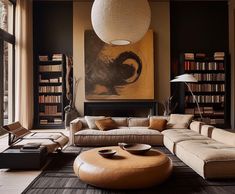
(196, 26)
(53, 27)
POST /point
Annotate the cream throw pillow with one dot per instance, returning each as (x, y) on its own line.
(179, 121)
(91, 121)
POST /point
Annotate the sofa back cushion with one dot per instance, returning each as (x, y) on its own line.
(206, 130)
(121, 121)
(106, 124)
(83, 121)
(91, 121)
(138, 122)
(196, 126)
(179, 121)
(223, 136)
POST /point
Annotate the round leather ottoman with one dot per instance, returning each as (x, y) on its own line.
(123, 170)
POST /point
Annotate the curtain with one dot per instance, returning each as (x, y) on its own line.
(24, 63)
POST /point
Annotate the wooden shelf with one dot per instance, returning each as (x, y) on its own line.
(204, 71)
(50, 93)
(50, 62)
(204, 93)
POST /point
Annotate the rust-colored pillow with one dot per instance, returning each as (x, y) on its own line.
(106, 124)
(158, 124)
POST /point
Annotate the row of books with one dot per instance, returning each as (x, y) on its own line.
(49, 99)
(205, 111)
(50, 68)
(205, 99)
(192, 65)
(50, 80)
(55, 57)
(56, 121)
(192, 56)
(51, 110)
(210, 76)
(207, 87)
(50, 89)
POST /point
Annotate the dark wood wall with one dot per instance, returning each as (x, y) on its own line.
(196, 26)
(53, 27)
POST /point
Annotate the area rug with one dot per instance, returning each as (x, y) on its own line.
(59, 178)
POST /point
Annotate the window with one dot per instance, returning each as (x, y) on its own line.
(7, 54)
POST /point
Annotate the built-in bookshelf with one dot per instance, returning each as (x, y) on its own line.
(50, 91)
(212, 91)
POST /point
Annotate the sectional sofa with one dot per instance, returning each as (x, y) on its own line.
(209, 151)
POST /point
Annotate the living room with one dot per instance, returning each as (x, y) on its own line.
(147, 83)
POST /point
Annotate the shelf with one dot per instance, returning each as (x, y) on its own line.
(50, 116)
(204, 60)
(209, 82)
(204, 104)
(204, 71)
(50, 84)
(204, 93)
(50, 93)
(50, 72)
(50, 62)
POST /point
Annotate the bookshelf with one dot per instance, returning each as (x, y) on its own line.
(50, 91)
(212, 90)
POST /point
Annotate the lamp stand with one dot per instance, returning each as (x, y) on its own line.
(194, 98)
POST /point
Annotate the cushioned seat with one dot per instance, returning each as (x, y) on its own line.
(209, 158)
(173, 136)
(91, 137)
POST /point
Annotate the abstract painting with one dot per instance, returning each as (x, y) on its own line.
(119, 72)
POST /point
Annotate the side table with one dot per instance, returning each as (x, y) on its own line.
(14, 158)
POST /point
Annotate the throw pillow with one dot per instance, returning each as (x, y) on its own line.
(157, 124)
(106, 124)
(91, 121)
(179, 121)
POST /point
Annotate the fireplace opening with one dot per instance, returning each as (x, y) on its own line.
(120, 109)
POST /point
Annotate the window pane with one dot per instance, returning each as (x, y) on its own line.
(6, 16)
(7, 87)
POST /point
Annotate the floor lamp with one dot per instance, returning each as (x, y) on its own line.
(188, 78)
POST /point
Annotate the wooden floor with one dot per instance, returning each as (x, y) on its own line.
(59, 178)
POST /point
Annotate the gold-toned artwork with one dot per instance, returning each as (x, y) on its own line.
(119, 72)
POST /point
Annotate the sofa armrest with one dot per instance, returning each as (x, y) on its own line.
(75, 126)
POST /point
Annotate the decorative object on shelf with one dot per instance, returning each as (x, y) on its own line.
(169, 106)
(188, 78)
(119, 72)
(120, 22)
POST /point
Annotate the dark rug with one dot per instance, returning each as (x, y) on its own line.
(59, 177)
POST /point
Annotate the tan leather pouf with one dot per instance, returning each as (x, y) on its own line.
(123, 170)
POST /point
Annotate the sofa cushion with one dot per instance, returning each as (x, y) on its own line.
(209, 158)
(206, 130)
(106, 124)
(121, 121)
(157, 124)
(173, 136)
(138, 121)
(91, 137)
(196, 126)
(223, 136)
(91, 121)
(177, 121)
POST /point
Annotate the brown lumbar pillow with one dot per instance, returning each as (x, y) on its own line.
(106, 124)
(157, 124)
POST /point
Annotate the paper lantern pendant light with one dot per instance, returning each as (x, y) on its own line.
(120, 22)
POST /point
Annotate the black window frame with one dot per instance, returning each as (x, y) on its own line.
(9, 38)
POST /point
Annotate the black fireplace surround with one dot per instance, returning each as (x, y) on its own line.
(120, 109)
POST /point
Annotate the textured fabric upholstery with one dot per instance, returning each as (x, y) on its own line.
(91, 137)
(206, 130)
(223, 136)
(209, 158)
(135, 121)
(179, 121)
(196, 126)
(173, 136)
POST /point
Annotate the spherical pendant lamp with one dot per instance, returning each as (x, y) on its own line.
(120, 22)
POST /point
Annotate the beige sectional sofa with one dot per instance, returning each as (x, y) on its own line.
(209, 151)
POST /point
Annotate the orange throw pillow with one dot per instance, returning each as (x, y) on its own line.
(158, 124)
(106, 124)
